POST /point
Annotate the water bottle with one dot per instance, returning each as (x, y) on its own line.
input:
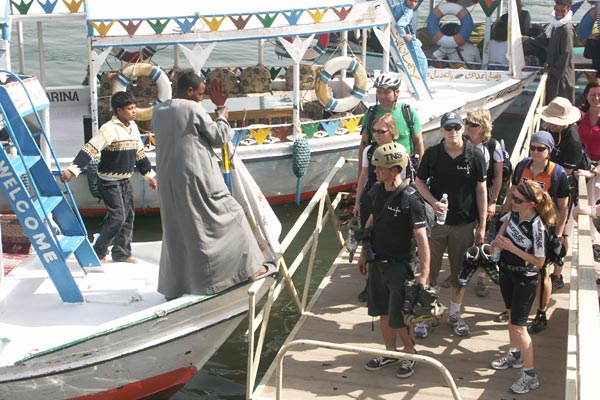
(495, 256)
(441, 219)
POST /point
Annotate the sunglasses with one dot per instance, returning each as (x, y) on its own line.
(379, 131)
(452, 127)
(538, 148)
(472, 124)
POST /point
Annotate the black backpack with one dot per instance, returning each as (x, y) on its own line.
(507, 168)
(408, 191)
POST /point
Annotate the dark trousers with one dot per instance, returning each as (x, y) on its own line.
(117, 226)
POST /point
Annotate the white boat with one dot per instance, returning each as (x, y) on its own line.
(194, 28)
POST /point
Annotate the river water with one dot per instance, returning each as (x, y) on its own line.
(224, 375)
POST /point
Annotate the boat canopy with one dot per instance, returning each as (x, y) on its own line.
(141, 22)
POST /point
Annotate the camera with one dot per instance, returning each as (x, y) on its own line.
(364, 236)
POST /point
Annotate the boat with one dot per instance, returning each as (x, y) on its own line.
(73, 328)
(270, 119)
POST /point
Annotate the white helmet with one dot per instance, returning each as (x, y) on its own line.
(388, 80)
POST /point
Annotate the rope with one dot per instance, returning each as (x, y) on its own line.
(300, 161)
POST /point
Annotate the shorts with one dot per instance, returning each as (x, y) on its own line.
(386, 290)
(518, 292)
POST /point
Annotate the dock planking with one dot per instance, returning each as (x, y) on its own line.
(335, 315)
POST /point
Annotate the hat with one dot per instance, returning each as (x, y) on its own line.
(560, 111)
(451, 118)
(544, 138)
(390, 155)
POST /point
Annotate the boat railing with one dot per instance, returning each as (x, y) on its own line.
(362, 350)
(324, 207)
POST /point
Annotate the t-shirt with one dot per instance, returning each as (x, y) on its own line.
(590, 137)
(404, 136)
(469, 53)
(392, 233)
(456, 177)
(497, 52)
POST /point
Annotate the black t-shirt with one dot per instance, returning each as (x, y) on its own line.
(392, 234)
(567, 148)
(457, 177)
(529, 236)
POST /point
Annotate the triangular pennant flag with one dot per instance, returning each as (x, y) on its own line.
(330, 126)
(297, 48)
(240, 22)
(158, 26)
(213, 23)
(186, 24)
(99, 58)
(310, 129)
(47, 6)
(267, 19)
(383, 37)
(130, 27)
(197, 55)
(342, 13)
(282, 132)
(73, 6)
(351, 123)
(274, 71)
(260, 134)
(238, 136)
(102, 27)
(489, 6)
(292, 16)
(317, 15)
(22, 7)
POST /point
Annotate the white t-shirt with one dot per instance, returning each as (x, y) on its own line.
(497, 52)
(469, 52)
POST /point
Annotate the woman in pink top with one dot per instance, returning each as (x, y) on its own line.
(589, 132)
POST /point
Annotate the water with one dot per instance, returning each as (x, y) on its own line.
(224, 375)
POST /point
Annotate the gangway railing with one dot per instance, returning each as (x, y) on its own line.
(319, 202)
(362, 350)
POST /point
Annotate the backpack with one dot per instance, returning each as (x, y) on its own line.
(433, 158)
(405, 194)
(554, 178)
(507, 168)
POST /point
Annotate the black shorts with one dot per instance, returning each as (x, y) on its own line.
(518, 292)
(386, 290)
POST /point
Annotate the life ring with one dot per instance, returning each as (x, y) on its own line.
(318, 49)
(586, 26)
(154, 72)
(324, 76)
(435, 17)
(134, 56)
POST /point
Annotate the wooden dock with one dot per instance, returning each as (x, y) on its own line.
(335, 315)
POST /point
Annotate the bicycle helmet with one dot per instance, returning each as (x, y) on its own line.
(390, 155)
(387, 80)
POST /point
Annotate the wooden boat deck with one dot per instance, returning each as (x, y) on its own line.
(335, 315)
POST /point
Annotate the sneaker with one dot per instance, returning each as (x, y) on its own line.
(557, 282)
(460, 327)
(380, 362)
(538, 324)
(507, 361)
(421, 330)
(481, 290)
(406, 369)
(525, 383)
(502, 317)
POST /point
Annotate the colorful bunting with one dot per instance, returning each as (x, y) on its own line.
(282, 132)
(158, 26)
(260, 134)
(267, 20)
(317, 15)
(186, 23)
(213, 23)
(73, 5)
(489, 6)
(238, 136)
(240, 22)
(47, 6)
(22, 7)
(102, 27)
(342, 13)
(131, 27)
(330, 126)
(351, 123)
(310, 128)
(292, 16)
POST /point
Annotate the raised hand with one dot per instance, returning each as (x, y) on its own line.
(216, 93)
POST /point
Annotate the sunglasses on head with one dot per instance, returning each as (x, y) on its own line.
(472, 124)
(452, 127)
(538, 148)
(379, 131)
